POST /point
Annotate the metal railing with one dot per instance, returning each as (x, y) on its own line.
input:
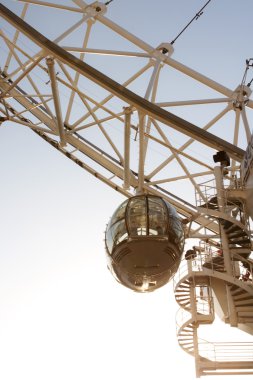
(207, 198)
(226, 352)
(211, 258)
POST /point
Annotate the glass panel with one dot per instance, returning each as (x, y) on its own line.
(176, 232)
(119, 232)
(137, 216)
(109, 240)
(171, 210)
(119, 213)
(157, 214)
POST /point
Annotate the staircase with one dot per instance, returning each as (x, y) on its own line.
(234, 291)
(193, 294)
(239, 238)
(243, 303)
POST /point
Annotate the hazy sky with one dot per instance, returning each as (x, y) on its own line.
(62, 315)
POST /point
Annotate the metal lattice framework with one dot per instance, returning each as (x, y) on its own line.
(102, 99)
(114, 105)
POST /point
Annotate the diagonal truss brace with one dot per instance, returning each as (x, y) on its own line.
(123, 93)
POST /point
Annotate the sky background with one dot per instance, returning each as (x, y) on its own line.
(62, 315)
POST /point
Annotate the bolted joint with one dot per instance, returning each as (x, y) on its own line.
(128, 110)
(95, 9)
(166, 48)
(50, 60)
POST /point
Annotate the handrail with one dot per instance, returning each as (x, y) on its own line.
(208, 189)
(240, 265)
(228, 351)
(182, 316)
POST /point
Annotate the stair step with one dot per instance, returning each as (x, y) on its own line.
(183, 286)
(246, 302)
(232, 227)
(226, 223)
(186, 335)
(240, 250)
(211, 203)
(240, 241)
(182, 291)
(245, 312)
(185, 340)
(244, 296)
(188, 327)
(235, 234)
(181, 299)
(182, 296)
(188, 346)
(186, 306)
(236, 290)
(245, 320)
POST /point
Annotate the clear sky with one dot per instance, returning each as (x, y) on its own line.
(62, 315)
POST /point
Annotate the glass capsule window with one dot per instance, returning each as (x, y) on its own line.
(144, 216)
(116, 230)
(157, 217)
(137, 216)
(176, 233)
(147, 216)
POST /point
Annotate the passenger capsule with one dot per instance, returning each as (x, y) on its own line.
(144, 243)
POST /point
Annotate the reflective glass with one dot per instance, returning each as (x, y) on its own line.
(137, 216)
(109, 240)
(176, 233)
(171, 210)
(119, 231)
(157, 215)
(119, 213)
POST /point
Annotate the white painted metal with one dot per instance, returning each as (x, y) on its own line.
(127, 136)
(123, 134)
(55, 92)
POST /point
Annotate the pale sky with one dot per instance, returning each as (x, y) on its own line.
(62, 315)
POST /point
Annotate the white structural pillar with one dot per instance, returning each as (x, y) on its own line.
(128, 112)
(57, 104)
(141, 153)
(218, 173)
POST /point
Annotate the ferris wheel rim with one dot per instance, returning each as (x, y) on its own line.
(122, 92)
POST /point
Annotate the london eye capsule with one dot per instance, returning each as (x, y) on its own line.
(144, 243)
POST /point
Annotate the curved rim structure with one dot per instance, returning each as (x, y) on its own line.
(131, 137)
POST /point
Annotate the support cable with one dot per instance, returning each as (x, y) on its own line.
(249, 63)
(196, 17)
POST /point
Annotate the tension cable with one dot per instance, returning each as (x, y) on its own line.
(196, 17)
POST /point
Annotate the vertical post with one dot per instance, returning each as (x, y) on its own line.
(127, 132)
(57, 104)
(246, 123)
(231, 308)
(196, 350)
(141, 153)
(236, 134)
(195, 324)
(218, 173)
(152, 79)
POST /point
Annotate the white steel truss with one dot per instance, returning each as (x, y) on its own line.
(109, 102)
